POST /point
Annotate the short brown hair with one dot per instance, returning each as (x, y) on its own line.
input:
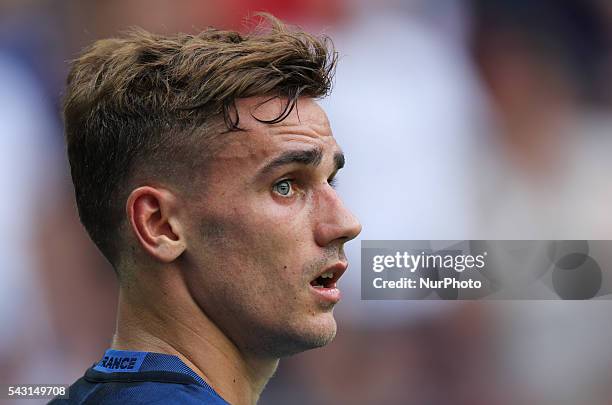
(135, 103)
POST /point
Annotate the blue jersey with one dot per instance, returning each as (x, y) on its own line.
(124, 377)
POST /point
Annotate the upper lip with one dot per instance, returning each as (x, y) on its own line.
(336, 269)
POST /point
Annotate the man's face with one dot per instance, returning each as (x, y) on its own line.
(265, 227)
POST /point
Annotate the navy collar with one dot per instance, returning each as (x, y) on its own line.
(128, 366)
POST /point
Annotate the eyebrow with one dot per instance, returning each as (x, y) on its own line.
(308, 157)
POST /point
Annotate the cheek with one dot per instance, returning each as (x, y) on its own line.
(250, 248)
(249, 272)
(252, 243)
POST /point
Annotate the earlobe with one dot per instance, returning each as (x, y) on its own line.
(152, 214)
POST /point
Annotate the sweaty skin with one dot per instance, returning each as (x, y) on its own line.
(221, 267)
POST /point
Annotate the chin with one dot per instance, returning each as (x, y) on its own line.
(289, 339)
(313, 333)
(300, 334)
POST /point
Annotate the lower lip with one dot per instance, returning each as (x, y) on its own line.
(327, 294)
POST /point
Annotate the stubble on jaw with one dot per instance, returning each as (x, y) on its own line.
(279, 335)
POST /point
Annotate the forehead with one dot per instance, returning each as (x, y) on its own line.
(307, 126)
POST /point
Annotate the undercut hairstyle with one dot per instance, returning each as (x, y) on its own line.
(145, 107)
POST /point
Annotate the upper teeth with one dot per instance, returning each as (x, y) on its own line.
(329, 274)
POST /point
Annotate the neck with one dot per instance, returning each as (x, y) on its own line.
(154, 322)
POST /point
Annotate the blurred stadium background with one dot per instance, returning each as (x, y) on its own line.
(461, 119)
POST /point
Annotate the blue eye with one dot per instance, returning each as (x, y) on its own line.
(283, 188)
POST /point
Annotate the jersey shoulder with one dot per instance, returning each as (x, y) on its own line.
(149, 392)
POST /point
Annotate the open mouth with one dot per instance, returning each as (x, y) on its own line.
(324, 287)
(325, 280)
(329, 277)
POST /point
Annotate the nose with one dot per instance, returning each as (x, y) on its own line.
(335, 222)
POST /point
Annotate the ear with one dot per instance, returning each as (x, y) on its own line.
(152, 213)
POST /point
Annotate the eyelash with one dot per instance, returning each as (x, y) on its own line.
(291, 184)
(333, 182)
